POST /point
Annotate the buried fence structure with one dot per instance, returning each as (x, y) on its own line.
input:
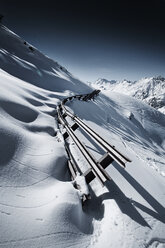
(96, 167)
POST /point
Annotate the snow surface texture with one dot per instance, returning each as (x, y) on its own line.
(39, 207)
(150, 90)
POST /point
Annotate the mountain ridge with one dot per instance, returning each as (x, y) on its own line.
(22, 60)
(150, 90)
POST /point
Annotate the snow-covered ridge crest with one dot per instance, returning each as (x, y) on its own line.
(24, 61)
(151, 90)
(101, 81)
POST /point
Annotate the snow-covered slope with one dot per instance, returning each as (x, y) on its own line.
(150, 90)
(24, 61)
(39, 207)
(134, 212)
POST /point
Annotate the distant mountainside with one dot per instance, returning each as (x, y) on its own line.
(150, 90)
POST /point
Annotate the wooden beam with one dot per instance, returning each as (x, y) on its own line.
(105, 160)
(74, 127)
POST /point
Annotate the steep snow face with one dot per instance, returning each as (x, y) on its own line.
(150, 90)
(24, 61)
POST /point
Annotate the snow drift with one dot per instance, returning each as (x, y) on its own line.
(39, 207)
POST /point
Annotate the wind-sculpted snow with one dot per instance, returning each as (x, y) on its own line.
(39, 207)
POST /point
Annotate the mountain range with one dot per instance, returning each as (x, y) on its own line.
(149, 90)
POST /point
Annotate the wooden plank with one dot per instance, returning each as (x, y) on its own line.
(89, 175)
(64, 115)
(71, 168)
(74, 127)
(105, 160)
(65, 135)
(113, 152)
(71, 158)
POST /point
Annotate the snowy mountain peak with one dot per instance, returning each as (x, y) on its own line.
(102, 83)
(151, 90)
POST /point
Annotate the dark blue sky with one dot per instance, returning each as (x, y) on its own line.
(109, 39)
